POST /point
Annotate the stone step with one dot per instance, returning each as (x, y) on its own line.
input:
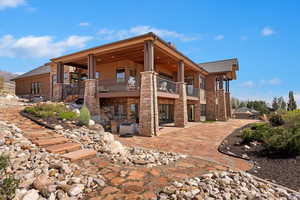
(79, 154)
(50, 141)
(63, 148)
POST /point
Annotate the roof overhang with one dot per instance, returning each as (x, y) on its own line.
(127, 43)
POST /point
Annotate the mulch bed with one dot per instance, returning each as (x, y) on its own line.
(278, 169)
(49, 122)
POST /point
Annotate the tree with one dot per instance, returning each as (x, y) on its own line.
(281, 103)
(291, 103)
(275, 103)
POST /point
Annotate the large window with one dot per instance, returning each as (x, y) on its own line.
(35, 88)
(134, 111)
(203, 109)
(120, 75)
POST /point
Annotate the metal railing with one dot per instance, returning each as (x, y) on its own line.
(73, 89)
(165, 85)
(111, 85)
(191, 91)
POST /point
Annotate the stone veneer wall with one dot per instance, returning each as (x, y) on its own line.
(222, 113)
(180, 107)
(91, 99)
(211, 98)
(197, 111)
(228, 104)
(148, 114)
(57, 92)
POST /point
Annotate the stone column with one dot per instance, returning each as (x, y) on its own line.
(148, 112)
(91, 99)
(228, 104)
(222, 113)
(180, 107)
(198, 103)
(58, 87)
(211, 97)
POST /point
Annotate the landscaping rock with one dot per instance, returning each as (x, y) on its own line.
(58, 127)
(31, 195)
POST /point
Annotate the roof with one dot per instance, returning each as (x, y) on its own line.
(37, 71)
(246, 110)
(221, 65)
(146, 36)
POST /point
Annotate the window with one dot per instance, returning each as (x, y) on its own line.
(119, 111)
(202, 83)
(133, 111)
(54, 80)
(120, 73)
(203, 109)
(97, 75)
(35, 88)
(189, 80)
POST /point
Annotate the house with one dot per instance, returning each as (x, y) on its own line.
(143, 79)
(245, 113)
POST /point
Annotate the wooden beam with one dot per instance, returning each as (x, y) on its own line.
(148, 55)
(60, 72)
(180, 72)
(81, 66)
(91, 66)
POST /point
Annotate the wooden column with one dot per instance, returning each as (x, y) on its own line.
(60, 72)
(91, 66)
(180, 72)
(148, 56)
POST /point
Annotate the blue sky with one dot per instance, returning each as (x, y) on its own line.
(263, 35)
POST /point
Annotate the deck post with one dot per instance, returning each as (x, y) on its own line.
(198, 102)
(180, 107)
(91, 99)
(58, 87)
(148, 114)
(211, 97)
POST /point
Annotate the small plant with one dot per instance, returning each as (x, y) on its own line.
(276, 120)
(68, 115)
(256, 132)
(8, 184)
(84, 116)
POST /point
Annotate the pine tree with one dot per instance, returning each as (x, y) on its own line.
(275, 103)
(281, 103)
(291, 103)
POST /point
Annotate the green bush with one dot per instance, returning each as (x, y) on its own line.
(292, 119)
(8, 184)
(84, 116)
(68, 115)
(276, 120)
(256, 132)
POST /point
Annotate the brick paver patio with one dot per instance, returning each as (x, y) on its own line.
(201, 140)
(131, 182)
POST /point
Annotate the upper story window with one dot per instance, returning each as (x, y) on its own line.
(189, 80)
(97, 75)
(120, 75)
(202, 83)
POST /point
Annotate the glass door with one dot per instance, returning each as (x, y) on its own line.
(166, 113)
(191, 112)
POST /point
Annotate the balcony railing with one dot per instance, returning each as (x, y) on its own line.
(164, 85)
(191, 91)
(111, 85)
(73, 89)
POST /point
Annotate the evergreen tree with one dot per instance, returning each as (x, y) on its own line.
(291, 103)
(281, 103)
(275, 103)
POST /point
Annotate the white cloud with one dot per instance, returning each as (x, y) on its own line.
(267, 31)
(11, 3)
(273, 81)
(219, 37)
(39, 46)
(248, 84)
(84, 24)
(109, 34)
(19, 73)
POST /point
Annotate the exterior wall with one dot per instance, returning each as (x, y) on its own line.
(108, 70)
(211, 98)
(23, 85)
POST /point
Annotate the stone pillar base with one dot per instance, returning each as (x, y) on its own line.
(228, 104)
(211, 101)
(57, 92)
(148, 111)
(222, 114)
(198, 111)
(180, 107)
(91, 99)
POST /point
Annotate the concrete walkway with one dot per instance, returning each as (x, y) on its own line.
(201, 140)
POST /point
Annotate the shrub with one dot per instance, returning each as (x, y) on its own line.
(292, 119)
(68, 115)
(256, 132)
(276, 120)
(8, 184)
(84, 116)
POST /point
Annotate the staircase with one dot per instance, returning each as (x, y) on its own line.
(48, 139)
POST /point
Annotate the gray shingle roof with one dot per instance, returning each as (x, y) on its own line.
(37, 71)
(220, 65)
